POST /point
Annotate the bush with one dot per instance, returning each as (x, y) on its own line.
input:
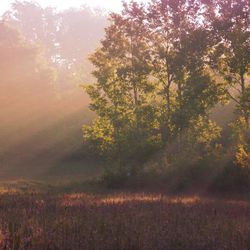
(242, 157)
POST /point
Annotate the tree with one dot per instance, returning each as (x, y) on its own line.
(153, 85)
(180, 45)
(23, 67)
(26, 86)
(58, 32)
(123, 96)
(231, 58)
(35, 23)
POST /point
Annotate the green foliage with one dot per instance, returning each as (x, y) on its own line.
(242, 157)
(202, 134)
(127, 127)
(160, 71)
(155, 84)
(100, 134)
(238, 128)
(231, 53)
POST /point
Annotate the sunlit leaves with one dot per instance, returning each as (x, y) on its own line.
(163, 67)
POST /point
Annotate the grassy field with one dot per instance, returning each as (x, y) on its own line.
(35, 215)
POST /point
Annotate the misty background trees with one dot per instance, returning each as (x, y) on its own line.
(44, 59)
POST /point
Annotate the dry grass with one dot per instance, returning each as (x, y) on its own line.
(121, 221)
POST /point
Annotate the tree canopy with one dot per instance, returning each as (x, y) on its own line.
(161, 69)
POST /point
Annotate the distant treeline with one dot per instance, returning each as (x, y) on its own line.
(43, 62)
(161, 69)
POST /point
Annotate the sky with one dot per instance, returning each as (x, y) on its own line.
(110, 5)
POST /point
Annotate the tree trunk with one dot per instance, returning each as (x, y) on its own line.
(244, 104)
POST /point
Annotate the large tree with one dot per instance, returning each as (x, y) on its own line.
(229, 23)
(123, 96)
(179, 45)
(153, 82)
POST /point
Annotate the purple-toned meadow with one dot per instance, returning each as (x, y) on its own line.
(121, 221)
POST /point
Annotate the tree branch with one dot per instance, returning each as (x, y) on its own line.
(232, 97)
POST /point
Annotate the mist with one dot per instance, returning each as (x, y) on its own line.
(126, 127)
